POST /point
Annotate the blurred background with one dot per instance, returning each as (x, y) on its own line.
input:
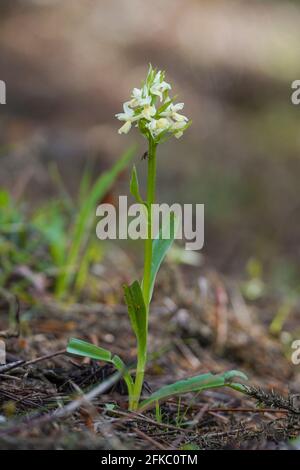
(69, 66)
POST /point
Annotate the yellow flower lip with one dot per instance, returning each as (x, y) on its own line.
(162, 123)
(148, 111)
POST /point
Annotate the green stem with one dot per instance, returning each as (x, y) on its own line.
(142, 353)
(151, 183)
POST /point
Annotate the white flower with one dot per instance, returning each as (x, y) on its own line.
(125, 128)
(128, 116)
(152, 126)
(148, 111)
(178, 127)
(172, 112)
(159, 86)
(163, 123)
(157, 126)
(140, 97)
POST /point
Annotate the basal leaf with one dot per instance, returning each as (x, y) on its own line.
(233, 374)
(121, 367)
(193, 384)
(83, 348)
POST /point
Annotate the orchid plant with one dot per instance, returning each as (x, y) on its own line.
(158, 118)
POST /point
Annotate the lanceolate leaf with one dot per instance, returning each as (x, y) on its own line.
(193, 384)
(83, 348)
(120, 366)
(137, 312)
(160, 247)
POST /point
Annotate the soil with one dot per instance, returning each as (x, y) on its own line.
(198, 323)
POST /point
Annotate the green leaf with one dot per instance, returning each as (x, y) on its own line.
(160, 247)
(137, 312)
(83, 348)
(193, 384)
(134, 186)
(242, 388)
(121, 367)
(118, 363)
(232, 374)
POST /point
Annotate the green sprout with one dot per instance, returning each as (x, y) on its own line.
(154, 113)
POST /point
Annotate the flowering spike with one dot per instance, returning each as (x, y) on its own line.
(152, 110)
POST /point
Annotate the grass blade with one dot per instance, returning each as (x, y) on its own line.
(86, 216)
